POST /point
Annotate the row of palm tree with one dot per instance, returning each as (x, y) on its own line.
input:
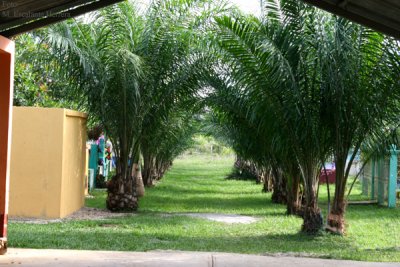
(298, 86)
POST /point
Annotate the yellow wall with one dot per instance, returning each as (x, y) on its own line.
(47, 162)
(74, 162)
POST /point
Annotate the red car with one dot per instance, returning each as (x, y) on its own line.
(330, 174)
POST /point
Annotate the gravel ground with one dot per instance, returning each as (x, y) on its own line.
(84, 213)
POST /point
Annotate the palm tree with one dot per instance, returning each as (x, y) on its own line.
(257, 143)
(175, 67)
(164, 142)
(330, 84)
(101, 63)
(274, 61)
(361, 88)
(133, 67)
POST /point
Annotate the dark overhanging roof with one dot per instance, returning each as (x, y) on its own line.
(380, 15)
(19, 16)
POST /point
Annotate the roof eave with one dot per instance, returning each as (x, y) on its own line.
(58, 14)
(366, 18)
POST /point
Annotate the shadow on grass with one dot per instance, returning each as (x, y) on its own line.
(151, 231)
(173, 190)
(243, 205)
(122, 237)
(371, 212)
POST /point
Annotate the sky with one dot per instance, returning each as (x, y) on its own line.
(248, 6)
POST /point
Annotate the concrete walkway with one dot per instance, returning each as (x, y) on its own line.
(32, 257)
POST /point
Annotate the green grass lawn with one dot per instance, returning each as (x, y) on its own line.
(198, 184)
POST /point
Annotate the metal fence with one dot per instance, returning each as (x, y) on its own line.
(380, 180)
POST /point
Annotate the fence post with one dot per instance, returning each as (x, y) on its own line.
(373, 178)
(381, 188)
(364, 183)
(392, 183)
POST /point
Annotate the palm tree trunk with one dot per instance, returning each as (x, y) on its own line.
(267, 180)
(293, 196)
(279, 184)
(148, 169)
(121, 189)
(312, 217)
(336, 217)
(137, 178)
(121, 194)
(161, 168)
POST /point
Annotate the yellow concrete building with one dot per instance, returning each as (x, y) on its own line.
(48, 162)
